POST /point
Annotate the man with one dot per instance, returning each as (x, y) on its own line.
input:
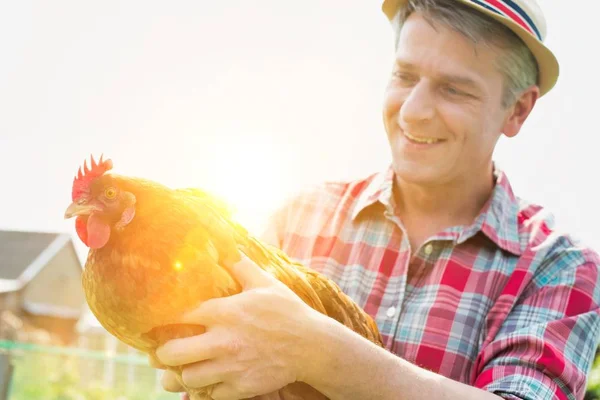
(475, 294)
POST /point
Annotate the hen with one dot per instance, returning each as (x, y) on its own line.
(156, 253)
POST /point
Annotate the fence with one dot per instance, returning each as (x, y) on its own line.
(63, 373)
(66, 373)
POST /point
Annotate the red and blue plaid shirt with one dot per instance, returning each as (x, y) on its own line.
(506, 304)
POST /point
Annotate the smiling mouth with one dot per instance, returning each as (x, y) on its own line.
(422, 140)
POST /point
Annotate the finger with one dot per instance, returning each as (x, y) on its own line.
(210, 312)
(154, 363)
(192, 349)
(250, 275)
(170, 382)
(224, 391)
(202, 374)
(213, 311)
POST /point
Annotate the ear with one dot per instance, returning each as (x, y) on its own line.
(520, 110)
(129, 211)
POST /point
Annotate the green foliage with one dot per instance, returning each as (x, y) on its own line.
(59, 377)
(55, 377)
(593, 387)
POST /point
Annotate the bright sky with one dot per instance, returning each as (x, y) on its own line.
(250, 99)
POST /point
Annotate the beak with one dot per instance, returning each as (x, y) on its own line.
(79, 209)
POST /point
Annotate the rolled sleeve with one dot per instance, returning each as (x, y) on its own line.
(546, 345)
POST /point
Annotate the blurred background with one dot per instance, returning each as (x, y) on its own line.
(251, 100)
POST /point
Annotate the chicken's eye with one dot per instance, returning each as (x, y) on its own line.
(110, 193)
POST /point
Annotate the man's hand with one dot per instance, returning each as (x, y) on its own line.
(256, 342)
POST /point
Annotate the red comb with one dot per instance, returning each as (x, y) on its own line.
(81, 183)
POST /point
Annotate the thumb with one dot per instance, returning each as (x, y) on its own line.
(249, 274)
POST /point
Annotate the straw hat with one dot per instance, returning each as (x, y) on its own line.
(524, 18)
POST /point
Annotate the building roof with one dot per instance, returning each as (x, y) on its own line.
(19, 249)
(24, 254)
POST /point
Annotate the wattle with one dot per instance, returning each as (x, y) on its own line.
(81, 228)
(93, 231)
(98, 232)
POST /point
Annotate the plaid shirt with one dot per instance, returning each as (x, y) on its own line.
(507, 304)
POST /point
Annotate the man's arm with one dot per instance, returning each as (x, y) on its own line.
(347, 366)
(543, 350)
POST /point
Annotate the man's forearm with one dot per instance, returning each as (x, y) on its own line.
(347, 366)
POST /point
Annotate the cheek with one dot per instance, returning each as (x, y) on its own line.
(392, 102)
(455, 119)
(463, 123)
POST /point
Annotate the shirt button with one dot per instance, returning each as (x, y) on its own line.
(428, 249)
(391, 312)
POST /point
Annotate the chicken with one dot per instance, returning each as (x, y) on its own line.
(156, 253)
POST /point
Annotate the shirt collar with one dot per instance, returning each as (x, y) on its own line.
(497, 219)
(378, 188)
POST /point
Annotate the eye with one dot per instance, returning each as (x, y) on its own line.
(110, 193)
(454, 92)
(405, 78)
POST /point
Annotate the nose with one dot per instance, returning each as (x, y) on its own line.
(419, 104)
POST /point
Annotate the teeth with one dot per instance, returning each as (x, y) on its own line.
(421, 140)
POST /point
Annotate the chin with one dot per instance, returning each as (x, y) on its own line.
(418, 174)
